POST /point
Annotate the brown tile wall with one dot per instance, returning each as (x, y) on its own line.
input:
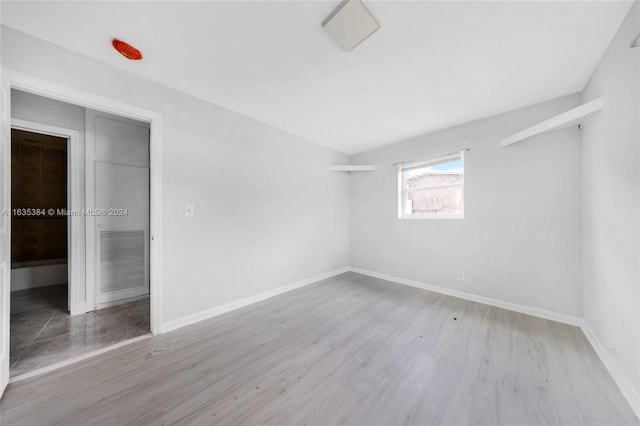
(38, 181)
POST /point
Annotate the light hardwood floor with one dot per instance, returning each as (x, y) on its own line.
(348, 350)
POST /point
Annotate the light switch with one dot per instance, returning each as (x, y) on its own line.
(189, 210)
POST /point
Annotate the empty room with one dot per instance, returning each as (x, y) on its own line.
(320, 212)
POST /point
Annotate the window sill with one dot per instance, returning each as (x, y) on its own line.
(432, 216)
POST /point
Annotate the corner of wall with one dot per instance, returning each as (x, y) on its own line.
(611, 236)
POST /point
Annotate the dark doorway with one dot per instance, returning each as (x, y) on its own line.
(38, 236)
(38, 192)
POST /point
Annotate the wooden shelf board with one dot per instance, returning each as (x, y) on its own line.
(352, 168)
(575, 116)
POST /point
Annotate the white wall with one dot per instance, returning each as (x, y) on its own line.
(38, 276)
(27, 106)
(267, 210)
(611, 202)
(520, 239)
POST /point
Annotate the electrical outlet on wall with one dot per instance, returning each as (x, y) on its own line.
(460, 276)
(189, 210)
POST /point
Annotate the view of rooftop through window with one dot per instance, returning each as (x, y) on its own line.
(433, 188)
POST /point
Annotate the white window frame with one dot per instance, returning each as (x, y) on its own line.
(402, 190)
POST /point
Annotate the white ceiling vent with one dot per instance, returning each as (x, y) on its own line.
(350, 23)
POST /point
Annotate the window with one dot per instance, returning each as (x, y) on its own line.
(432, 188)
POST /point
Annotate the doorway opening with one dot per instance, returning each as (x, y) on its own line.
(80, 232)
(39, 260)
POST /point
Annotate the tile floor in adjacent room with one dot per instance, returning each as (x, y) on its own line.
(43, 333)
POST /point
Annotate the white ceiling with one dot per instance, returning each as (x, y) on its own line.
(431, 65)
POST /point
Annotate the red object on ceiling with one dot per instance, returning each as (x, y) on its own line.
(127, 50)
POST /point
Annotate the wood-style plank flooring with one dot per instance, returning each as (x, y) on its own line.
(348, 350)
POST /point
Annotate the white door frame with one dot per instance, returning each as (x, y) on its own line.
(75, 243)
(41, 87)
(5, 226)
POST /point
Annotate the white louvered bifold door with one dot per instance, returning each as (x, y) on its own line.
(121, 170)
(122, 262)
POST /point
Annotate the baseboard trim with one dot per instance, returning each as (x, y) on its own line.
(219, 310)
(523, 309)
(613, 367)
